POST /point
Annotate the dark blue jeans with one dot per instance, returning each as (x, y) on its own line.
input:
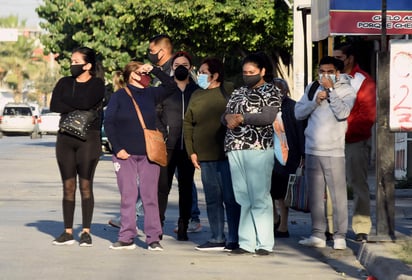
(217, 186)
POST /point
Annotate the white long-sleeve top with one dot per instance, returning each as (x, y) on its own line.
(325, 132)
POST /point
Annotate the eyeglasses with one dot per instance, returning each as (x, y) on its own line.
(199, 73)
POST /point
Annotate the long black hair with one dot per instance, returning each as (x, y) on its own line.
(89, 56)
(261, 60)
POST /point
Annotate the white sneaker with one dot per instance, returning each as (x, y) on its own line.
(313, 241)
(339, 244)
(193, 227)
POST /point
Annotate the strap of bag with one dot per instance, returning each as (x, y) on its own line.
(313, 89)
(139, 114)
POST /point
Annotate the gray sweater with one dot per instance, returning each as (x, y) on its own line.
(325, 133)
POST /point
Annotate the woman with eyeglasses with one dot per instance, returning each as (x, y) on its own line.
(204, 138)
(132, 167)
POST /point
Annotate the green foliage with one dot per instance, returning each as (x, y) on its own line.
(14, 55)
(120, 30)
(19, 67)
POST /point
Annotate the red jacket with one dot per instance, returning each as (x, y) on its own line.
(363, 114)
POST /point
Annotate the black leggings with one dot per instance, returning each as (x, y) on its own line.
(78, 158)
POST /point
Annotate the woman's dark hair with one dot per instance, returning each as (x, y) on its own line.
(261, 60)
(180, 54)
(215, 65)
(282, 85)
(89, 56)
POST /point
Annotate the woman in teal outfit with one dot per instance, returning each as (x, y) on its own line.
(249, 115)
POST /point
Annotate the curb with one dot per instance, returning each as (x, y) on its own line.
(382, 266)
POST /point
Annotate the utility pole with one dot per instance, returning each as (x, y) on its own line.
(385, 141)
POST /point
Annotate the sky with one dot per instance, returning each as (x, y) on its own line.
(24, 9)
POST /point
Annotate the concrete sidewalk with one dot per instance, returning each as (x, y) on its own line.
(31, 216)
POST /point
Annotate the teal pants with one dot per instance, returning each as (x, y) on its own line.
(251, 172)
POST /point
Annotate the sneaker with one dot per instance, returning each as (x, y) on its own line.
(231, 246)
(155, 246)
(85, 240)
(194, 227)
(339, 244)
(240, 251)
(64, 239)
(114, 222)
(313, 241)
(120, 245)
(262, 252)
(209, 246)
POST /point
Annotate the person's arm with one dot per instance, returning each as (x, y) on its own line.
(188, 130)
(265, 117)
(110, 126)
(341, 101)
(56, 103)
(363, 117)
(167, 81)
(304, 107)
(168, 86)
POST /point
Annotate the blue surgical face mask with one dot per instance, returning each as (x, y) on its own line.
(202, 81)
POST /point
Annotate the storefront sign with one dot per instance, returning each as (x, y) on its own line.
(354, 17)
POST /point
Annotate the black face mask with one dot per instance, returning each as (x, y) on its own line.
(77, 69)
(153, 57)
(252, 80)
(181, 73)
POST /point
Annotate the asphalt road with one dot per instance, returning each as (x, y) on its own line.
(31, 216)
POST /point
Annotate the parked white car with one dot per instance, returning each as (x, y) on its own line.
(18, 118)
(48, 122)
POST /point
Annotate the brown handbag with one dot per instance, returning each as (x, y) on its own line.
(155, 144)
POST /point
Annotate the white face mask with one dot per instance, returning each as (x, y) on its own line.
(332, 77)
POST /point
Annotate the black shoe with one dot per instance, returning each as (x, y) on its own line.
(282, 234)
(262, 252)
(240, 251)
(231, 246)
(85, 240)
(64, 239)
(362, 237)
(329, 236)
(209, 246)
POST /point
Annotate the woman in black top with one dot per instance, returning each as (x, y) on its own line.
(76, 157)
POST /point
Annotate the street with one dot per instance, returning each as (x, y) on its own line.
(30, 205)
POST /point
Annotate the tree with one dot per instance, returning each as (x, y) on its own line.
(21, 68)
(120, 30)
